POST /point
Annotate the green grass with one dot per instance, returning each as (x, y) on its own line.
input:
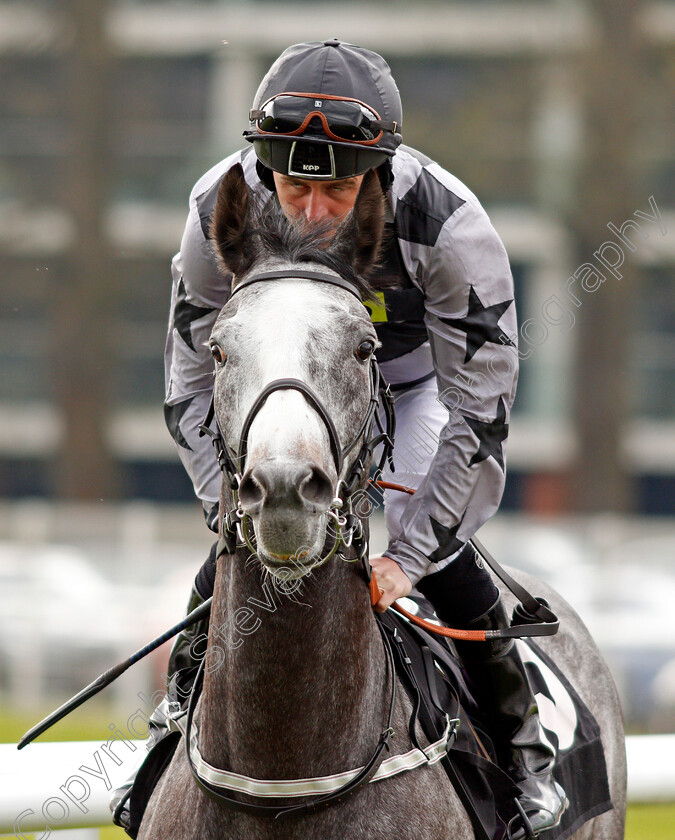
(645, 822)
(651, 822)
(82, 725)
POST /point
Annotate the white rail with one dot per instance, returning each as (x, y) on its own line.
(651, 768)
(53, 786)
(61, 785)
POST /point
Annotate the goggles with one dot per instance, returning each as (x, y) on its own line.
(341, 119)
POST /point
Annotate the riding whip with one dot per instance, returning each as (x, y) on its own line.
(112, 674)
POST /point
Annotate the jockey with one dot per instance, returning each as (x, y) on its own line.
(326, 113)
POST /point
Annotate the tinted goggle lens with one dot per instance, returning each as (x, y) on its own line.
(347, 120)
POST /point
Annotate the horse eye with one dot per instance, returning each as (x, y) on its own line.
(217, 353)
(365, 350)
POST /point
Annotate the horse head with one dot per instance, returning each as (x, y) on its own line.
(293, 376)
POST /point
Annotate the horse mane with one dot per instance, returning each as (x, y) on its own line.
(276, 238)
(248, 232)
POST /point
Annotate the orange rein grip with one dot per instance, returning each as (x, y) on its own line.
(451, 633)
(375, 591)
(387, 485)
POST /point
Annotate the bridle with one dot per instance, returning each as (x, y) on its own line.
(346, 528)
(349, 533)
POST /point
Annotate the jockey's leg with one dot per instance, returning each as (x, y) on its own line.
(464, 596)
(181, 672)
(419, 420)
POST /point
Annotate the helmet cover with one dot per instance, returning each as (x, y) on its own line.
(336, 70)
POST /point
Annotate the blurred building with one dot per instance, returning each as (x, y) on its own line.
(109, 111)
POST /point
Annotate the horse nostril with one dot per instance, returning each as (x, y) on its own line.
(316, 490)
(251, 492)
(287, 483)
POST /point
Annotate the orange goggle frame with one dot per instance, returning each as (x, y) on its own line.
(302, 118)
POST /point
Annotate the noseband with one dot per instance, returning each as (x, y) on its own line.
(312, 399)
(347, 525)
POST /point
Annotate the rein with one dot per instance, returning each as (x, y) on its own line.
(540, 619)
(214, 781)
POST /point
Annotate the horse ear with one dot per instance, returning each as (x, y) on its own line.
(231, 223)
(359, 238)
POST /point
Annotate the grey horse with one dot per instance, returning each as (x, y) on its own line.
(296, 683)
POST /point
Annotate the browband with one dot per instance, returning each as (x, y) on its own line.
(324, 277)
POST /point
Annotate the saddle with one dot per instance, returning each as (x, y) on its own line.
(432, 676)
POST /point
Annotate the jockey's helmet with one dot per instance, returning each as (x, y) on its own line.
(325, 110)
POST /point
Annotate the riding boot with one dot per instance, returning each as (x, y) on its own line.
(528, 756)
(119, 798)
(181, 673)
(459, 592)
(187, 653)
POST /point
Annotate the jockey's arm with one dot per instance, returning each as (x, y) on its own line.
(200, 289)
(471, 322)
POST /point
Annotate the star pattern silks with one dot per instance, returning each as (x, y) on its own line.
(490, 435)
(447, 540)
(185, 314)
(481, 324)
(173, 414)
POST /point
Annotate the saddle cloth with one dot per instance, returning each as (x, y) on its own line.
(431, 674)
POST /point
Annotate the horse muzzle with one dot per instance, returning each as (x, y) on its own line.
(287, 501)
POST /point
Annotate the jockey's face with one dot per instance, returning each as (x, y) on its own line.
(311, 201)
